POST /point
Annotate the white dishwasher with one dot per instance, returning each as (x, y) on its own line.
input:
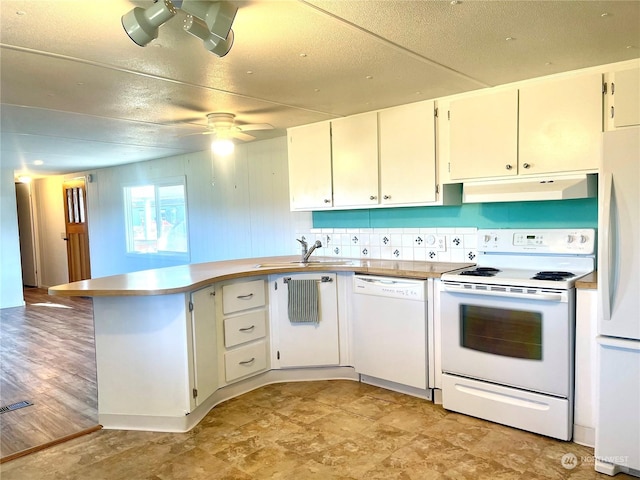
(389, 329)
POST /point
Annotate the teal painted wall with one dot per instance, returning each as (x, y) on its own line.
(581, 213)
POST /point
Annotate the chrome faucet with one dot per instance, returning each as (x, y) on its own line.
(306, 252)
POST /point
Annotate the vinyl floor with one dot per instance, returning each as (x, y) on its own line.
(321, 430)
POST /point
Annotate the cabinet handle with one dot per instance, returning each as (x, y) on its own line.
(247, 329)
(326, 200)
(245, 297)
(248, 362)
(526, 165)
(372, 197)
(508, 167)
(387, 197)
(613, 113)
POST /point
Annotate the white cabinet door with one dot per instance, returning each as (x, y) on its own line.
(309, 149)
(483, 136)
(205, 361)
(407, 154)
(355, 160)
(302, 344)
(625, 92)
(561, 125)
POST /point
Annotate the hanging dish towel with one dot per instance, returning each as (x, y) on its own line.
(303, 301)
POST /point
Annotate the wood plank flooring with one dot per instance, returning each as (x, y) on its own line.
(47, 357)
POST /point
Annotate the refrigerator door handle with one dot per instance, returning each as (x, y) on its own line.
(608, 244)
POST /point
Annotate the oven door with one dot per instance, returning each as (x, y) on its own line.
(524, 340)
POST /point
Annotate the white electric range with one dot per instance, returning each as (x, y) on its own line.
(508, 328)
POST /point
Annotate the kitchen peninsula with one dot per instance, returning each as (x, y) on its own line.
(163, 348)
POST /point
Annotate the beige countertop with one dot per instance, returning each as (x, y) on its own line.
(588, 281)
(185, 278)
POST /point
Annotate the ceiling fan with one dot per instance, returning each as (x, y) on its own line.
(222, 126)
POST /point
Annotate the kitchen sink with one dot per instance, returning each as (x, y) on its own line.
(310, 263)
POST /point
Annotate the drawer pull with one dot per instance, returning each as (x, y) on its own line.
(248, 362)
(247, 329)
(245, 297)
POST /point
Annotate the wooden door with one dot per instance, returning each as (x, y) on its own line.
(76, 230)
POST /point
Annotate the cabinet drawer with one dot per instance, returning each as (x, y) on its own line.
(244, 328)
(242, 296)
(245, 361)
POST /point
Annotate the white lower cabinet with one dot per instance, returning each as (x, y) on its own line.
(245, 360)
(584, 409)
(305, 344)
(203, 338)
(243, 329)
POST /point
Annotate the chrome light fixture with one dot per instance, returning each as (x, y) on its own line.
(218, 16)
(216, 45)
(142, 24)
(208, 20)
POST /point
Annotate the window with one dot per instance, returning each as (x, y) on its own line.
(156, 218)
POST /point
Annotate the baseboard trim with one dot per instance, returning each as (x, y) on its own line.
(57, 441)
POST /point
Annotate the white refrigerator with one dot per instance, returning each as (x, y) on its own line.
(618, 409)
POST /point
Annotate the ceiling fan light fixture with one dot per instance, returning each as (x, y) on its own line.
(222, 146)
(142, 24)
(217, 46)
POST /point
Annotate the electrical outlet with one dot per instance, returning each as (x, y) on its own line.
(437, 242)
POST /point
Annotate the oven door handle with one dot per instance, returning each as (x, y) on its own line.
(546, 296)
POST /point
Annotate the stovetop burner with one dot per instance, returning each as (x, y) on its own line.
(481, 272)
(553, 276)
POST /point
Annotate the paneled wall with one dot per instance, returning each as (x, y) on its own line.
(11, 270)
(237, 207)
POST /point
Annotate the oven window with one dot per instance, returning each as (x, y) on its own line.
(511, 333)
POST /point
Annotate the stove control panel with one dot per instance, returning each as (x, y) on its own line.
(579, 241)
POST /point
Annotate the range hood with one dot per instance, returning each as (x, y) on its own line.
(560, 187)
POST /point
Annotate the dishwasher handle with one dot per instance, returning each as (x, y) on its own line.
(384, 281)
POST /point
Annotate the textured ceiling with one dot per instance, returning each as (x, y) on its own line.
(77, 93)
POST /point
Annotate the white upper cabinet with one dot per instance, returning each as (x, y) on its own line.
(407, 154)
(355, 160)
(309, 149)
(560, 125)
(483, 140)
(546, 127)
(623, 98)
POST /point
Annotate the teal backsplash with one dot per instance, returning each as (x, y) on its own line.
(581, 213)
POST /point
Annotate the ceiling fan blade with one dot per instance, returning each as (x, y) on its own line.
(208, 132)
(242, 136)
(254, 126)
